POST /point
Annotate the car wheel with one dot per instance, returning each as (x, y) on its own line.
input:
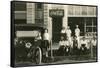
(38, 56)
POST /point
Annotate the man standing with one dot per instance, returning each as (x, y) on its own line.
(68, 33)
(77, 34)
(77, 31)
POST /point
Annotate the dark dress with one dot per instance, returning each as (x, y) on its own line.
(64, 35)
(83, 49)
(75, 47)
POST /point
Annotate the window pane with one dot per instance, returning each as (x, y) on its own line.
(94, 29)
(88, 22)
(88, 29)
(95, 21)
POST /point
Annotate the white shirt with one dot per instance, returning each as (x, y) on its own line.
(94, 42)
(61, 43)
(67, 43)
(83, 42)
(68, 31)
(39, 38)
(77, 31)
(46, 36)
(63, 31)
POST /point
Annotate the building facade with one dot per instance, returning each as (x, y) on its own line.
(56, 16)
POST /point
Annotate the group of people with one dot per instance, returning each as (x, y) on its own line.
(66, 33)
(69, 43)
(66, 42)
(43, 41)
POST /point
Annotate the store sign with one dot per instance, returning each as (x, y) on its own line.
(56, 12)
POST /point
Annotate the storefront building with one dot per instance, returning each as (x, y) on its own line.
(56, 16)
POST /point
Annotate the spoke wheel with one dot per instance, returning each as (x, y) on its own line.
(38, 55)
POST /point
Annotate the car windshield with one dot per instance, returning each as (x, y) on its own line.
(33, 33)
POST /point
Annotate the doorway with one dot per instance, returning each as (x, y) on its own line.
(56, 29)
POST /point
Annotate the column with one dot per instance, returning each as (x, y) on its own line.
(30, 13)
(49, 22)
(46, 15)
(65, 18)
(50, 28)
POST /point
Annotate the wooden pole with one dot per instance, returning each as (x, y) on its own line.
(91, 45)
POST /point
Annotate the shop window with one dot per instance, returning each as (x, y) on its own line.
(88, 29)
(94, 29)
(91, 25)
(86, 25)
(88, 22)
(73, 21)
(95, 22)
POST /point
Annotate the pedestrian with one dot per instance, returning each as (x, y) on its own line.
(77, 34)
(77, 31)
(46, 40)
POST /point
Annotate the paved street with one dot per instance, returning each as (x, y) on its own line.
(59, 60)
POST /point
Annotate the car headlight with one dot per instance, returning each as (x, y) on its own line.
(28, 45)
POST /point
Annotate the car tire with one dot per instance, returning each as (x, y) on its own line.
(38, 55)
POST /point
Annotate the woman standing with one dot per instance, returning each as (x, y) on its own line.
(46, 41)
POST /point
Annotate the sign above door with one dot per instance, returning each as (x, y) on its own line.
(56, 13)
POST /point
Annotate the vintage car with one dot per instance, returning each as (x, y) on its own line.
(26, 46)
